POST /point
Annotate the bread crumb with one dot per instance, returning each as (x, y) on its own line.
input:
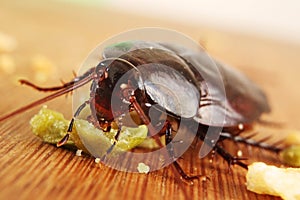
(97, 160)
(143, 168)
(78, 152)
(268, 179)
(239, 153)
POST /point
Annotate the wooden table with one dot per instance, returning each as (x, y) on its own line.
(65, 34)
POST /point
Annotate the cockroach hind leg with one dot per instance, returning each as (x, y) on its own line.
(248, 140)
(231, 160)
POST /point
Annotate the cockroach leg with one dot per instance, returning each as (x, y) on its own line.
(231, 160)
(183, 175)
(249, 141)
(64, 140)
(110, 149)
(136, 106)
(168, 139)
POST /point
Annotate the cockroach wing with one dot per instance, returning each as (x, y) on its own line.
(168, 88)
(243, 102)
(166, 77)
(119, 49)
(227, 96)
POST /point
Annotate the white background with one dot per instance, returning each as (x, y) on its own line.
(278, 19)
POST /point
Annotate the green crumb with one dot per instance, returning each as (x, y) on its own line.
(97, 142)
(291, 155)
(51, 127)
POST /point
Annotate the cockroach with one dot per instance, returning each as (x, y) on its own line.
(149, 77)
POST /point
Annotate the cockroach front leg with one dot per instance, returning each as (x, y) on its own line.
(116, 138)
(168, 134)
(70, 128)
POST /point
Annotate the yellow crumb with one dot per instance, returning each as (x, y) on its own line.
(268, 179)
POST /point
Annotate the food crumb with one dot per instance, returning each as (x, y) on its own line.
(269, 179)
(239, 153)
(78, 152)
(143, 168)
(291, 155)
(97, 160)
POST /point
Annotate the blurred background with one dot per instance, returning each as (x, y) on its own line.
(44, 41)
(275, 19)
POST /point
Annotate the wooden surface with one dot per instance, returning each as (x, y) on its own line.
(31, 169)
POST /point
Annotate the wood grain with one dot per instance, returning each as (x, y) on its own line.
(65, 34)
